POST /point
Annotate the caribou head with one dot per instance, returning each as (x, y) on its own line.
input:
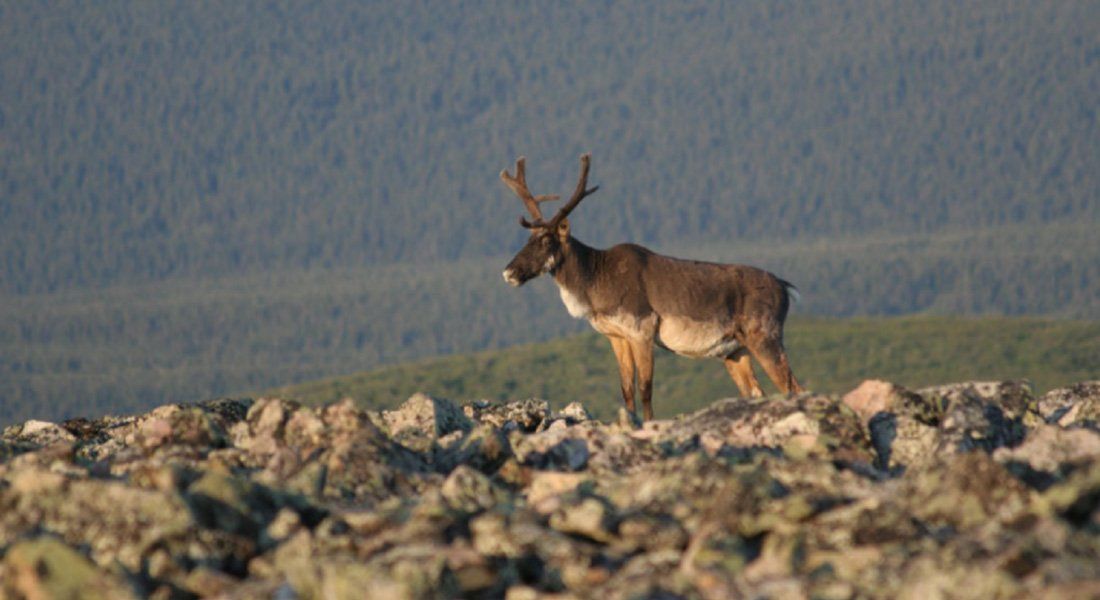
(546, 247)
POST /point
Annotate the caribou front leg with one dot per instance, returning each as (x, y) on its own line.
(625, 358)
(643, 362)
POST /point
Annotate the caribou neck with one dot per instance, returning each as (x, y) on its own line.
(576, 274)
(578, 266)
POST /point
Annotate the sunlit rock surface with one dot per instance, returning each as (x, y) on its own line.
(977, 489)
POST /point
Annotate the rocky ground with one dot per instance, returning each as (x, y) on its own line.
(976, 490)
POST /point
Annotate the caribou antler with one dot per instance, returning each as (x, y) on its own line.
(579, 193)
(518, 184)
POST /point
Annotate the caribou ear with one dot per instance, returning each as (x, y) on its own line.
(563, 229)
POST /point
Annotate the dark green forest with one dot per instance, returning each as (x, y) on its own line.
(143, 140)
(208, 198)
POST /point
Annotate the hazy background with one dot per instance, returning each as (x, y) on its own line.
(201, 198)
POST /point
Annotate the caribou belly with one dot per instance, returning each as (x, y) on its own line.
(696, 339)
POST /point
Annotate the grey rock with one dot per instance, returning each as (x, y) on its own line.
(486, 449)
(45, 567)
(525, 416)
(590, 516)
(575, 412)
(42, 433)
(470, 490)
(570, 454)
(1054, 449)
(1074, 405)
(426, 416)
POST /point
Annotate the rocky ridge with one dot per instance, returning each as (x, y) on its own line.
(965, 490)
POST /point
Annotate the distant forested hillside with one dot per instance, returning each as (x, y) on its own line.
(132, 347)
(142, 140)
(208, 198)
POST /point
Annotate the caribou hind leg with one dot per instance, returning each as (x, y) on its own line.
(773, 358)
(740, 369)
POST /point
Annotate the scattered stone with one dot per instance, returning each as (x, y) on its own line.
(570, 454)
(575, 412)
(526, 416)
(486, 449)
(44, 433)
(883, 492)
(1054, 449)
(426, 416)
(1074, 405)
(588, 516)
(546, 488)
(469, 490)
(874, 396)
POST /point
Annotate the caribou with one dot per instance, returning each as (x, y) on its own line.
(638, 298)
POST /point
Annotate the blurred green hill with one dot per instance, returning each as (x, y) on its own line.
(829, 355)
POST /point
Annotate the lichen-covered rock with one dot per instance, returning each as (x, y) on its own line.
(361, 463)
(526, 416)
(973, 489)
(570, 454)
(469, 490)
(422, 419)
(42, 433)
(1077, 499)
(980, 416)
(486, 448)
(575, 412)
(903, 441)
(801, 426)
(969, 491)
(45, 568)
(1076, 404)
(875, 396)
(1054, 449)
(240, 506)
(911, 429)
(589, 516)
(335, 452)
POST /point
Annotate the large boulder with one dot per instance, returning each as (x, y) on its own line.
(911, 429)
(422, 419)
(801, 426)
(1074, 405)
(45, 568)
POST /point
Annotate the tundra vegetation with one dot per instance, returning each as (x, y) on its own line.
(834, 354)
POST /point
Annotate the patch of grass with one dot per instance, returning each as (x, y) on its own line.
(828, 355)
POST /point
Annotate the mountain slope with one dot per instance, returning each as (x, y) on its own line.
(828, 355)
